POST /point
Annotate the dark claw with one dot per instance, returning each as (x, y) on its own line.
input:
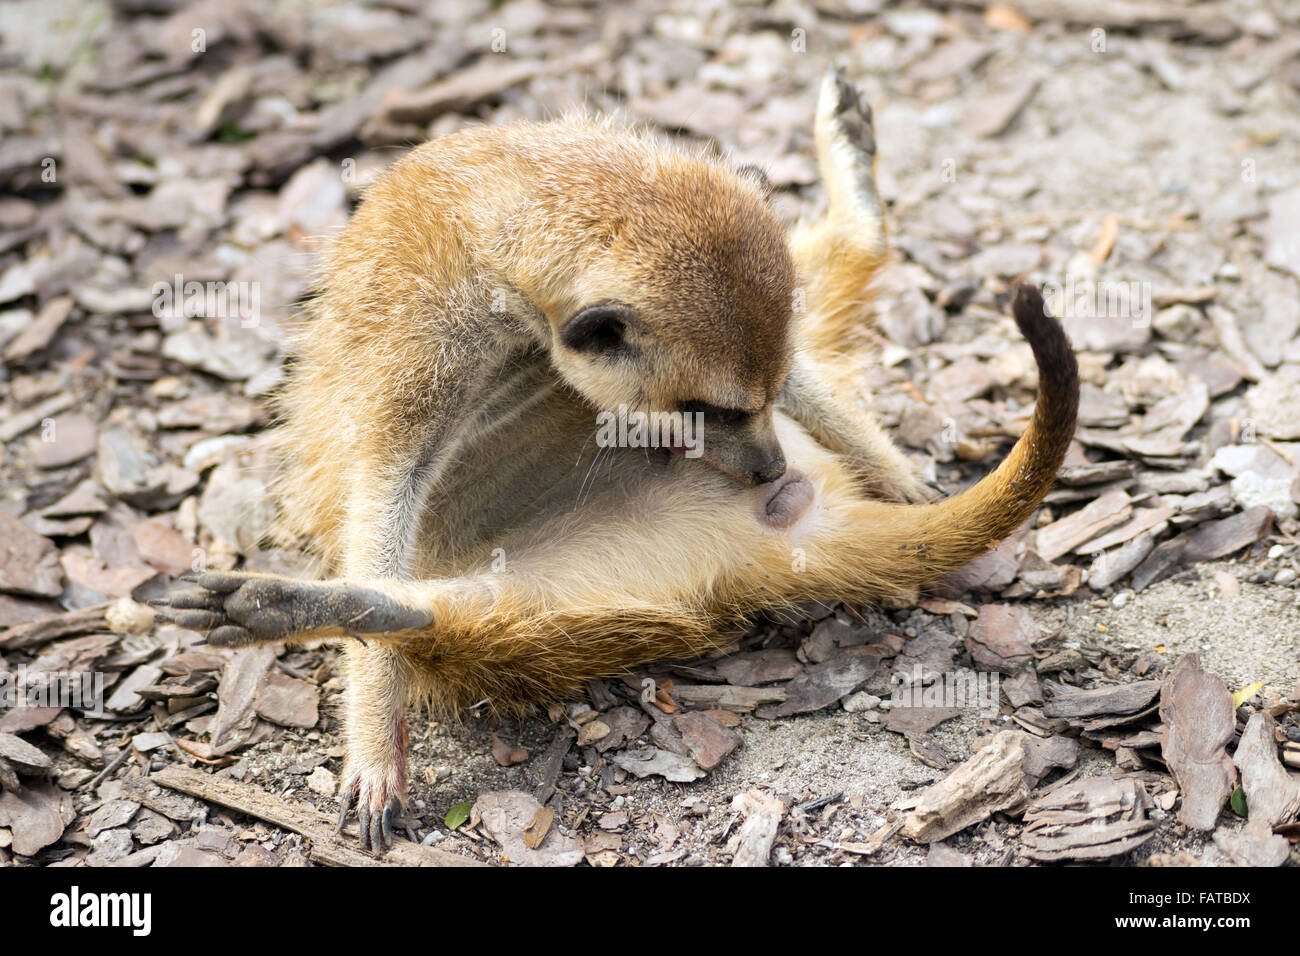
(388, 825)
(345, 804)
(363, 824)
(377, 833)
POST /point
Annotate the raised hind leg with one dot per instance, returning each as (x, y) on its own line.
(838, 256)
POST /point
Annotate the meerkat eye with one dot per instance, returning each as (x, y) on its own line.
(722, 416)
(599, 329)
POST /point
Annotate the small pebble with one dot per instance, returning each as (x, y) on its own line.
(1285, 576)
(1276, 552)
(1119, 600)
(861, 701)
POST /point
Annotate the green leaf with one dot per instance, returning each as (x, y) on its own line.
(458, 814)
(1238, 802)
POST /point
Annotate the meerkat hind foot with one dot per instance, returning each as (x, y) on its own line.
(847, 147)
(239, 609)
(375, 812)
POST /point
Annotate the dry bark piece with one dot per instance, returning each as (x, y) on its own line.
(1217, 539)
(505, 755)
(926, 748)
(753, 842)
(1061, 537)
(28, 759)
(996, 777)
(823, 684)
(707, 741)
(727, 696)
(1023, 689)
(125, 698)
(112, 814)
(1272, 796)
(1143, 519)
(29, 563)
(1198, 716)
(510, 816)
(1090, 819)
(918, 720)
(536, 831)
(460, 92)
(240, 682)
(1111, 566)
(40, 331)
(993, 113)
(663, 763)
(759, 667)
(625, 724)
(287, 701)
(1100, 701)
(36, 815)
(326, 846)
(1002, 638)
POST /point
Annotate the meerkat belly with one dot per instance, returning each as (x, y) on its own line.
(535, 451)
(516, 492)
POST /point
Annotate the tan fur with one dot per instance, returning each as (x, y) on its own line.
(540, 560)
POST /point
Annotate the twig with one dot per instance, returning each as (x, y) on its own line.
(326, 846)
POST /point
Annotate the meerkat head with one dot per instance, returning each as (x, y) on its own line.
(677, 299)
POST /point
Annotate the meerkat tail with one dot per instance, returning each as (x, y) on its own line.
(915, 544)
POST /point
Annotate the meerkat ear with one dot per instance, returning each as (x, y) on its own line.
(757, 176)
(597, 330)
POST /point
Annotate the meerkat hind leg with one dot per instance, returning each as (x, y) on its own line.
(240, 609)
(846, 152)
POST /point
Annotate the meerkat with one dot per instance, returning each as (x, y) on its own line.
(493, 292)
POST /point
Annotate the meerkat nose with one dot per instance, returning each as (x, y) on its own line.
(773, 470)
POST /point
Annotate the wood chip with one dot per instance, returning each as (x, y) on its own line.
(1099, 701)
(240, 682)
(1095, 818)
(1143, 520)
(1002, 638)
(823, 684)
(1061, 537)
(1198, 716)
(707, 741)
(29, 563)
(753, 842)
(326, 846)
(994, 778)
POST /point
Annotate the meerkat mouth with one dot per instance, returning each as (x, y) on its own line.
(782, 502)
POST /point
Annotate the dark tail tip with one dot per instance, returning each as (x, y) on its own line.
(1058, 370)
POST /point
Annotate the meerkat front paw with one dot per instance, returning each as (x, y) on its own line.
(239, 609)
(376, 787)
